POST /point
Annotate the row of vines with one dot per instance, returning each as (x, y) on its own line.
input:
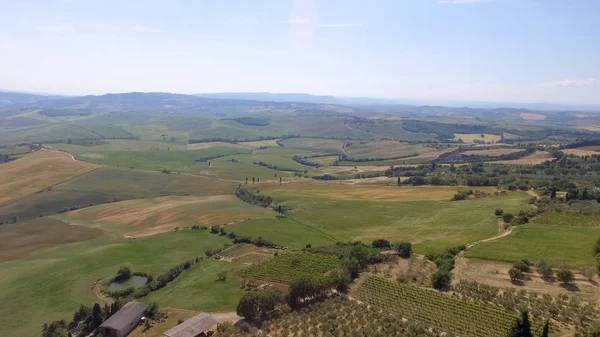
(568, 310)
(286, 268)
(460, 317)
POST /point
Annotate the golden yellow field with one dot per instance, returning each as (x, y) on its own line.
(345, 191)
(534, 159)
(37, 171)
(583, 151)
(491, 152)
(145, 217)
(260, 143)
(532, 117)
(471, 137)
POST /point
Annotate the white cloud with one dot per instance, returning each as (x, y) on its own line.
(55, 28)
(338, 25)
(575, 82)
(143, 29)
(461, 2)
(298, 19)
(242, 21)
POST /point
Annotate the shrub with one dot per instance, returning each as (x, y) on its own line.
(123, 274)
(381, 243)
(588, 273)
(507, 217)
(222, 276)
(152, 310)
(544, 269)
(515, 275)
(498, 212)
(564, 275)
(404, 249)
(597, 247)
(441, 279)
(522, 266)
(259, 305)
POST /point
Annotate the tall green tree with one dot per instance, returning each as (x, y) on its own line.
(546, 330)
(97, 317)
(522, 327)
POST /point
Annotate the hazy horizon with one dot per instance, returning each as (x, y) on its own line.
(435, 50)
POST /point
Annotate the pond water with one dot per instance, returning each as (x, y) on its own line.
(135, 281)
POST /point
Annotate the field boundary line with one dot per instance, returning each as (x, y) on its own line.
(318, 230)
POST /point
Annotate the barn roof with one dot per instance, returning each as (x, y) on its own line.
(193, 326)
(123, 318)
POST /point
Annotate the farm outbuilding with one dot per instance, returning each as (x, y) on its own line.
(123, 321)
(197, 326)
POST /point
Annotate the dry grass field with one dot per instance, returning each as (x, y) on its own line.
(583, 151)
(260, 143)
(491, 152)
(21, 239)
(145, 217)
(37, 171)
(342, 191)
(532, 117)
(471, 137)
(534, 159)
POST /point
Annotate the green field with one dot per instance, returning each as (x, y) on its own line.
(430, 222)
(51, 284)
(555, 244)
(285, 232)
(562, 219)
(286, 268)
(199, 289)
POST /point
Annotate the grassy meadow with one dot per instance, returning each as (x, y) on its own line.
(286, 232)
(555, 243)
(199, 288)
(50, 284)
(423, 215)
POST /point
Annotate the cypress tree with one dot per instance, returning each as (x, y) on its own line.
(522, 327)
(546, 330)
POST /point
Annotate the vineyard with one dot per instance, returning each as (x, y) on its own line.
(568, 310)
(438, 310)
(286, 268)
(338, 317)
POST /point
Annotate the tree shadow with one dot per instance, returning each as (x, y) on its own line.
(518, 283)
(572, 287)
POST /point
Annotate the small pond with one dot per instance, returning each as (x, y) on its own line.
(135, 281)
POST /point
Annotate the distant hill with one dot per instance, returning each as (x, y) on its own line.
(274, 97)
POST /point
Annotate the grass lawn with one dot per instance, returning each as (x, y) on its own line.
(423, 216)
(199, 289)
(51, 283)
(285, 232)
(555, 244)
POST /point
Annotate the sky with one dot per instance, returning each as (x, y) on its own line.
(470, 50)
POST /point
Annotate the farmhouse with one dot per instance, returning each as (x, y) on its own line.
(123, 321)
(197, 326)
